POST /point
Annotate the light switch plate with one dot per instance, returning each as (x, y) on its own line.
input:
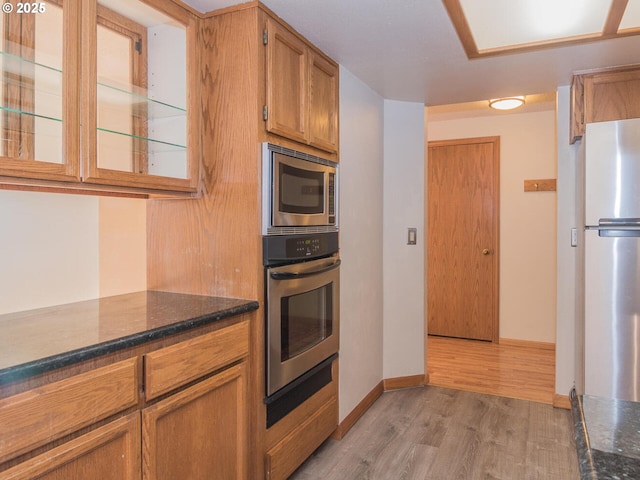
(574, 237)
(412, 236)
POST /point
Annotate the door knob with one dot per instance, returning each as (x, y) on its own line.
(485, 251)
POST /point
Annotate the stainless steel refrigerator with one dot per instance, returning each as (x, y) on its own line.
(612, 259)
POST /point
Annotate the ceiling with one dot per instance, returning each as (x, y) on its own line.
(408, 50)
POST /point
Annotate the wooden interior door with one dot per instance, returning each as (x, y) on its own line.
(462, 244)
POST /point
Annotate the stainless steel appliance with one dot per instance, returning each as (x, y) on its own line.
(612, 259)
(302, 280)
(298, 192)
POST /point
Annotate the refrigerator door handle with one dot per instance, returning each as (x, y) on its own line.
(619, 222)
(618, 232)
(617, 227)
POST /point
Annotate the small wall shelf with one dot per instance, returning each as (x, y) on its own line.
(541, 185)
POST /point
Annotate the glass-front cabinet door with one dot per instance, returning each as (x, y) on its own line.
(39, 85)
(136, 124)
(98, 94)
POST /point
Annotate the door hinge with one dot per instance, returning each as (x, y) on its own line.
(265, 36)
(265, 113)
(138, 46)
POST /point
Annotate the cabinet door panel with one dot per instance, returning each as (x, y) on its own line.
(111, 452)
(286, 83)
(612, 96)
(199, 433)
(39, 416)
(323, 100)
(295, 448)
(177, 365)
(39, 103)
(139, 129)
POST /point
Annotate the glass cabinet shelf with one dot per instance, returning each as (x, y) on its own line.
(36, 88)
(140, 102)
(49, 84)
(30, 114)
(158, 145)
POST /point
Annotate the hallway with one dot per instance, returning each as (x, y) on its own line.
(486, 414)
(514, 371)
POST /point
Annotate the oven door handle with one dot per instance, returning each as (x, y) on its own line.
(291, 275)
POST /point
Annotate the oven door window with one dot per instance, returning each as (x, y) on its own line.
(301, 191)
(307, 319)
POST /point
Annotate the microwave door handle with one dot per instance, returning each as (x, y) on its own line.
(290, 276)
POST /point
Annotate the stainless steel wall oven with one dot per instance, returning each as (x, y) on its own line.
(302, 282)
(302, 275)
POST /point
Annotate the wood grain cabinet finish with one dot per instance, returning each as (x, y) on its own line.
(302, 90)
(174, 366)
(295, 448)
(97, 425)
(600, 96)
(96, 118)
(110, 452)
(39, 82)
(323, 110)
(39, 416)
(199, 433)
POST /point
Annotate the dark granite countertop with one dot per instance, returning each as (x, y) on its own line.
(607, 437)
(37, 341)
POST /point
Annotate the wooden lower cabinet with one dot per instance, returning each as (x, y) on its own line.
(44, 414)
(97, 425)
(199, 433)
(110, 452)
(284, 458)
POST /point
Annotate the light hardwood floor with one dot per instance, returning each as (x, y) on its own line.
(496, 422)
(499, 369)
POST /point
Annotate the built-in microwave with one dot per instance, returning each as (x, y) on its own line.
(299, 192)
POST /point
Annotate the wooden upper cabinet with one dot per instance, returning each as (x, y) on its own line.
(302, 90)
(137, 121)
(287, 83)
(600, 96)
(120, 111)
(39, 84)
(323, 103)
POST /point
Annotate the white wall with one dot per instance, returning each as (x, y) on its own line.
(122, 240)
(527, 220)
(361, 232)
(403, 332)
(568, 349)
(57, 248)
(48, 249)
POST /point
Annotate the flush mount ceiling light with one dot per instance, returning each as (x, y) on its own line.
(536, 24)
(506, 103)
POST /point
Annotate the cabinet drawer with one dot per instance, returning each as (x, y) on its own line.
(44, 414)
(295, 448)
(111, 452)
(179, 364)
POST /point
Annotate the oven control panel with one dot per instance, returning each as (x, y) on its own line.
(305, 247)
(289, 248)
